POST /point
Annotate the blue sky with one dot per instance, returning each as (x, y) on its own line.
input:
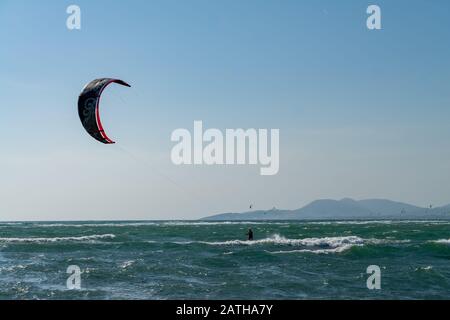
(361, 113)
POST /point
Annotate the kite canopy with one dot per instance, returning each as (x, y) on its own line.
(88, 107)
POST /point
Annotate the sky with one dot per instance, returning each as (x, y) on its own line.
(361, 113)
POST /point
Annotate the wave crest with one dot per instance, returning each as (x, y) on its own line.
(57, 239)
(442, 241)
(332, 242)
(314, 245)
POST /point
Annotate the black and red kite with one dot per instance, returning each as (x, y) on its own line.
(88, 107)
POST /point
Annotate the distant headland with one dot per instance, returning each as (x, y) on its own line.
(327, 209)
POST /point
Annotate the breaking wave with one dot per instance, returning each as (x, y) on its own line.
(119, 224)
(442, 241)
(387, 222)
(57, 239)
(316, 251)
(154, 223)
(279, 240)
(93, 225)
(314, 245)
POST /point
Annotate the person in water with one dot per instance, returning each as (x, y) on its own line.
(250, 234)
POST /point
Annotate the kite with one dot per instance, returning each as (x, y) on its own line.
(88, 107)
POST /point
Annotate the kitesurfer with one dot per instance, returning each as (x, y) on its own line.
(250, 234)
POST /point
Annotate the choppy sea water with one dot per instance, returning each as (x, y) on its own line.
(212, 260)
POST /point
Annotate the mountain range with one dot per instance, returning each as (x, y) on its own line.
(327, 209)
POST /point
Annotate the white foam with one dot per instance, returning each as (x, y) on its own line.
(213, 223)
(150, 223)
(94, 225)
(364, 222)
(332, 242)
(127, 264)
(318, 251)
(386, 241)
(427, 268)
(442, 241)
(323, 245)
(58, 239)
(13, 268)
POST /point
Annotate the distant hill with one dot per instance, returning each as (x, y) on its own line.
(347, 208)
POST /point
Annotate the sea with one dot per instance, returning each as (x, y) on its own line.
(160, 260)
